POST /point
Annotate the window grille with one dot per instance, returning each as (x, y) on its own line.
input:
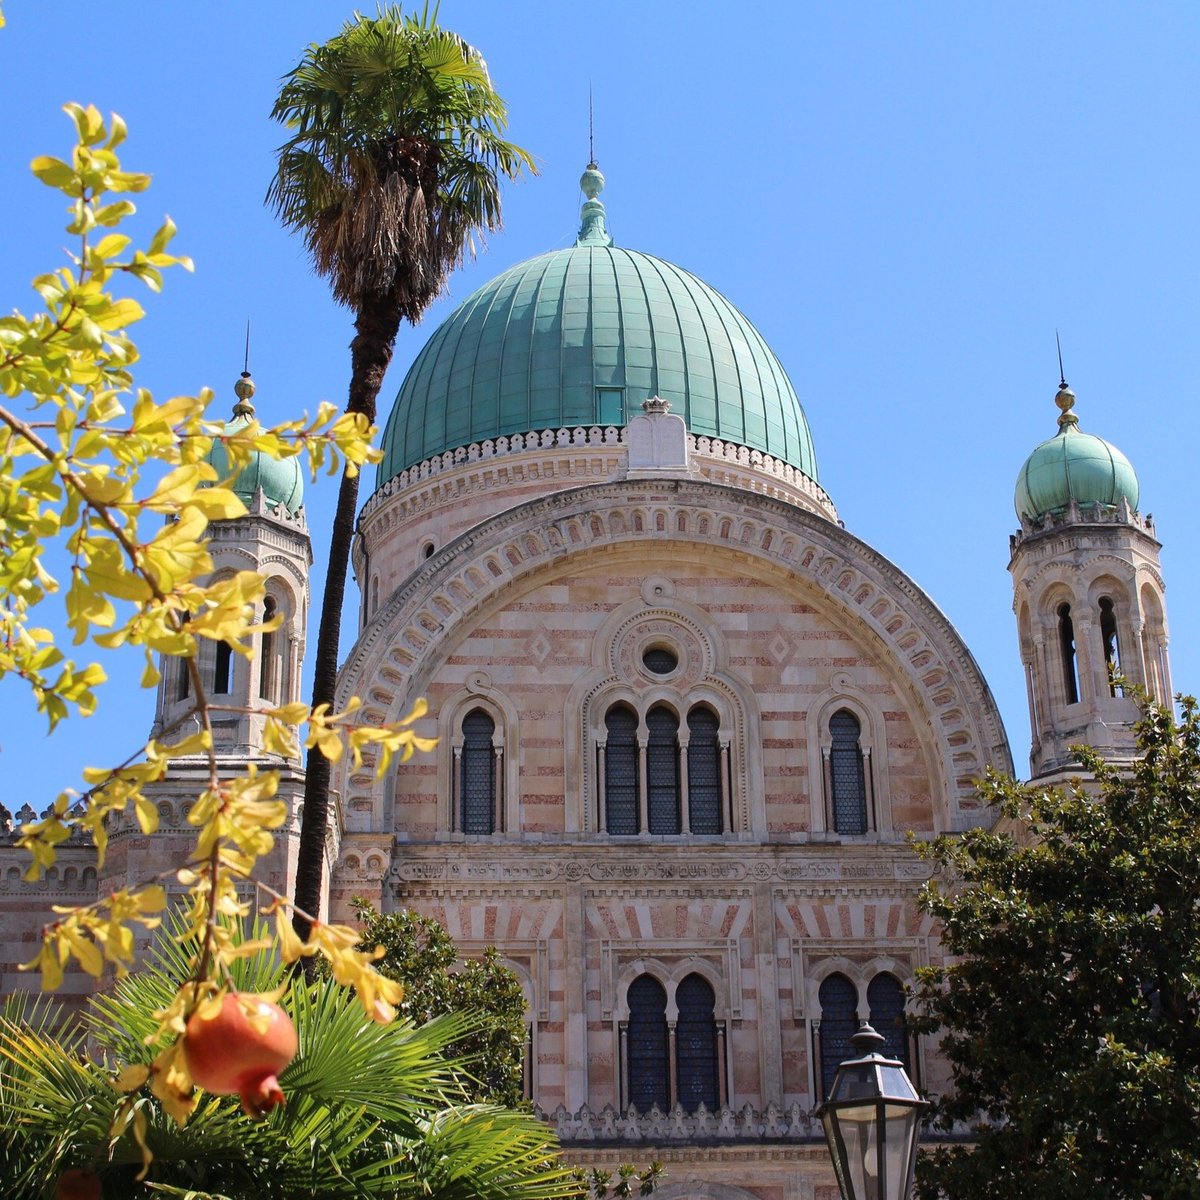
(839, 1023)
(696, 1068)
(621, 771)
(704, 771)
(649, 1060)
(662, 770)
(846, 774)
(660, 660)
(885, 995)
(478, 773)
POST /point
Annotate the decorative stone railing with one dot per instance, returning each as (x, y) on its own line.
(1073, 514)
(794, 1124)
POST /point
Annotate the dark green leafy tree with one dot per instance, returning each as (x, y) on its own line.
(392, 166)
(421, 955)
(1071, 1022)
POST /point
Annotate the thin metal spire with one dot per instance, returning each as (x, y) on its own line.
(1062, 378)
(591, 129)
(246, 364)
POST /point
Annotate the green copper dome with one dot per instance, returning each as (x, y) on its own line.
(280, 480)
(1073, 466)
(582, 336)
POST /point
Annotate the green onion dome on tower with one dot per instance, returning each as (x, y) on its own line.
(1073, 466)
(581, 337)
(281, 481)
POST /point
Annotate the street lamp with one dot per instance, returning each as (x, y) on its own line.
(871, 1119)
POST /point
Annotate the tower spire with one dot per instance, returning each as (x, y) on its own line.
(593, 227)
(244, 388)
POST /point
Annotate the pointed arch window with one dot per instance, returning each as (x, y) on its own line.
(697, 1071)
(1066, 644)
(885, 998)
(704, 771)
(662, 770)
(847, 780)
(621, 797)
(222, 669)
(478, 767)
(839, 1022)
(1110, 640)
(268, 676)
(648, 1057)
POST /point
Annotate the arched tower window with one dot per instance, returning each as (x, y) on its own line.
(697, 1074)
(183, 681)
(478, 784)
(1108, 637)
(268, 676)
(839, 1023)
(662, 770)
(621, 771)
(222, 669)
(846, 779)
(885, 996)
(704, 771)
(1066, 643)
(648, 1057)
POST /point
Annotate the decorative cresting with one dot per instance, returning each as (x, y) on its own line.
(393, 655)
(580, 337)
(791, 1124)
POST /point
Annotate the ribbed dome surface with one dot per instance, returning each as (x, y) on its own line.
(1074, 465)
(581, 337)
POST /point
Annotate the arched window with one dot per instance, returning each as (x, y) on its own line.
(697, 1075)
(648, 1059)
(839, 1023)
(222, 669)
(847, 783)
(885, 996)
(1108, 636)
(621, 771)
(183, 681)
(268, 676)
(1066, 642)
(662, 770)
(704, 771)
(478, 785)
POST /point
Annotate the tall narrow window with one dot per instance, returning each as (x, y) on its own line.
(697, 1075)
(267, 676)
(1066, 642)
(648, 1056)
(478, 773)
(704, 771)
(222, 669)
(885, 996)
(621, 771)
(846, 779)
(839, 1023)
(183, 681)
(662, 770)
(1108, 635)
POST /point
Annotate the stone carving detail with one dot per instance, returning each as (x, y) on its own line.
(794, 1124)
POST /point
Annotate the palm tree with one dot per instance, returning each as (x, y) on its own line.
(393, 165)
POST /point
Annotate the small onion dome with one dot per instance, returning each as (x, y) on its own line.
(1073, 465)
(281, 481)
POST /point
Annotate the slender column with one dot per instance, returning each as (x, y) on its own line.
(498, 766)
(1087, 642)
(672, 1066)
(685, 815)
(1031, 698)
(723, 1097)
(455, 777)
(827, 783)
(643, 789)
(601, 786)
(727, 805)
(869, 781)
(622, 1066)
(1048, 681)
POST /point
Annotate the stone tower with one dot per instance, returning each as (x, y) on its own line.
(1088, 596)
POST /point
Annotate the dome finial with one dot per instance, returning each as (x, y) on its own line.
(1064, 397)
(593, 228)
(244, 388)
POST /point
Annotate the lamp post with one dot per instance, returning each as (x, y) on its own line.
(871, 1119)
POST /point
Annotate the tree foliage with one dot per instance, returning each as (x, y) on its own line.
(1068, 1013)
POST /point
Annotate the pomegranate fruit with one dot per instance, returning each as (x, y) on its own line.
(231, 1054)
(78, 1184)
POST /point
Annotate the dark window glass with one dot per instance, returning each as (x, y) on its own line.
(621, 771)
(839, 1023)
(662, 770)
(647, 1044)
(1108, 635)
(846, 774)
(1066, 641)
(704, 771)
(183, 681)
(478, 773)
(266, 666)
(696, 1046)
(660, 661)
(885, 997)
(222, 669)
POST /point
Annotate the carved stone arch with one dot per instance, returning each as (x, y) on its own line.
(843, 694)
(289, 565)
(635, 969)
(504, 712)
(835, 964)
(710, 973)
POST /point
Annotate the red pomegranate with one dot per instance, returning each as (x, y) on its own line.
(228, 1054)
(77, 1184)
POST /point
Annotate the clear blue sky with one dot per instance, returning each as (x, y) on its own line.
(907, 200)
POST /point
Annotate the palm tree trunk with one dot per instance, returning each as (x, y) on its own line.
(371, 352)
